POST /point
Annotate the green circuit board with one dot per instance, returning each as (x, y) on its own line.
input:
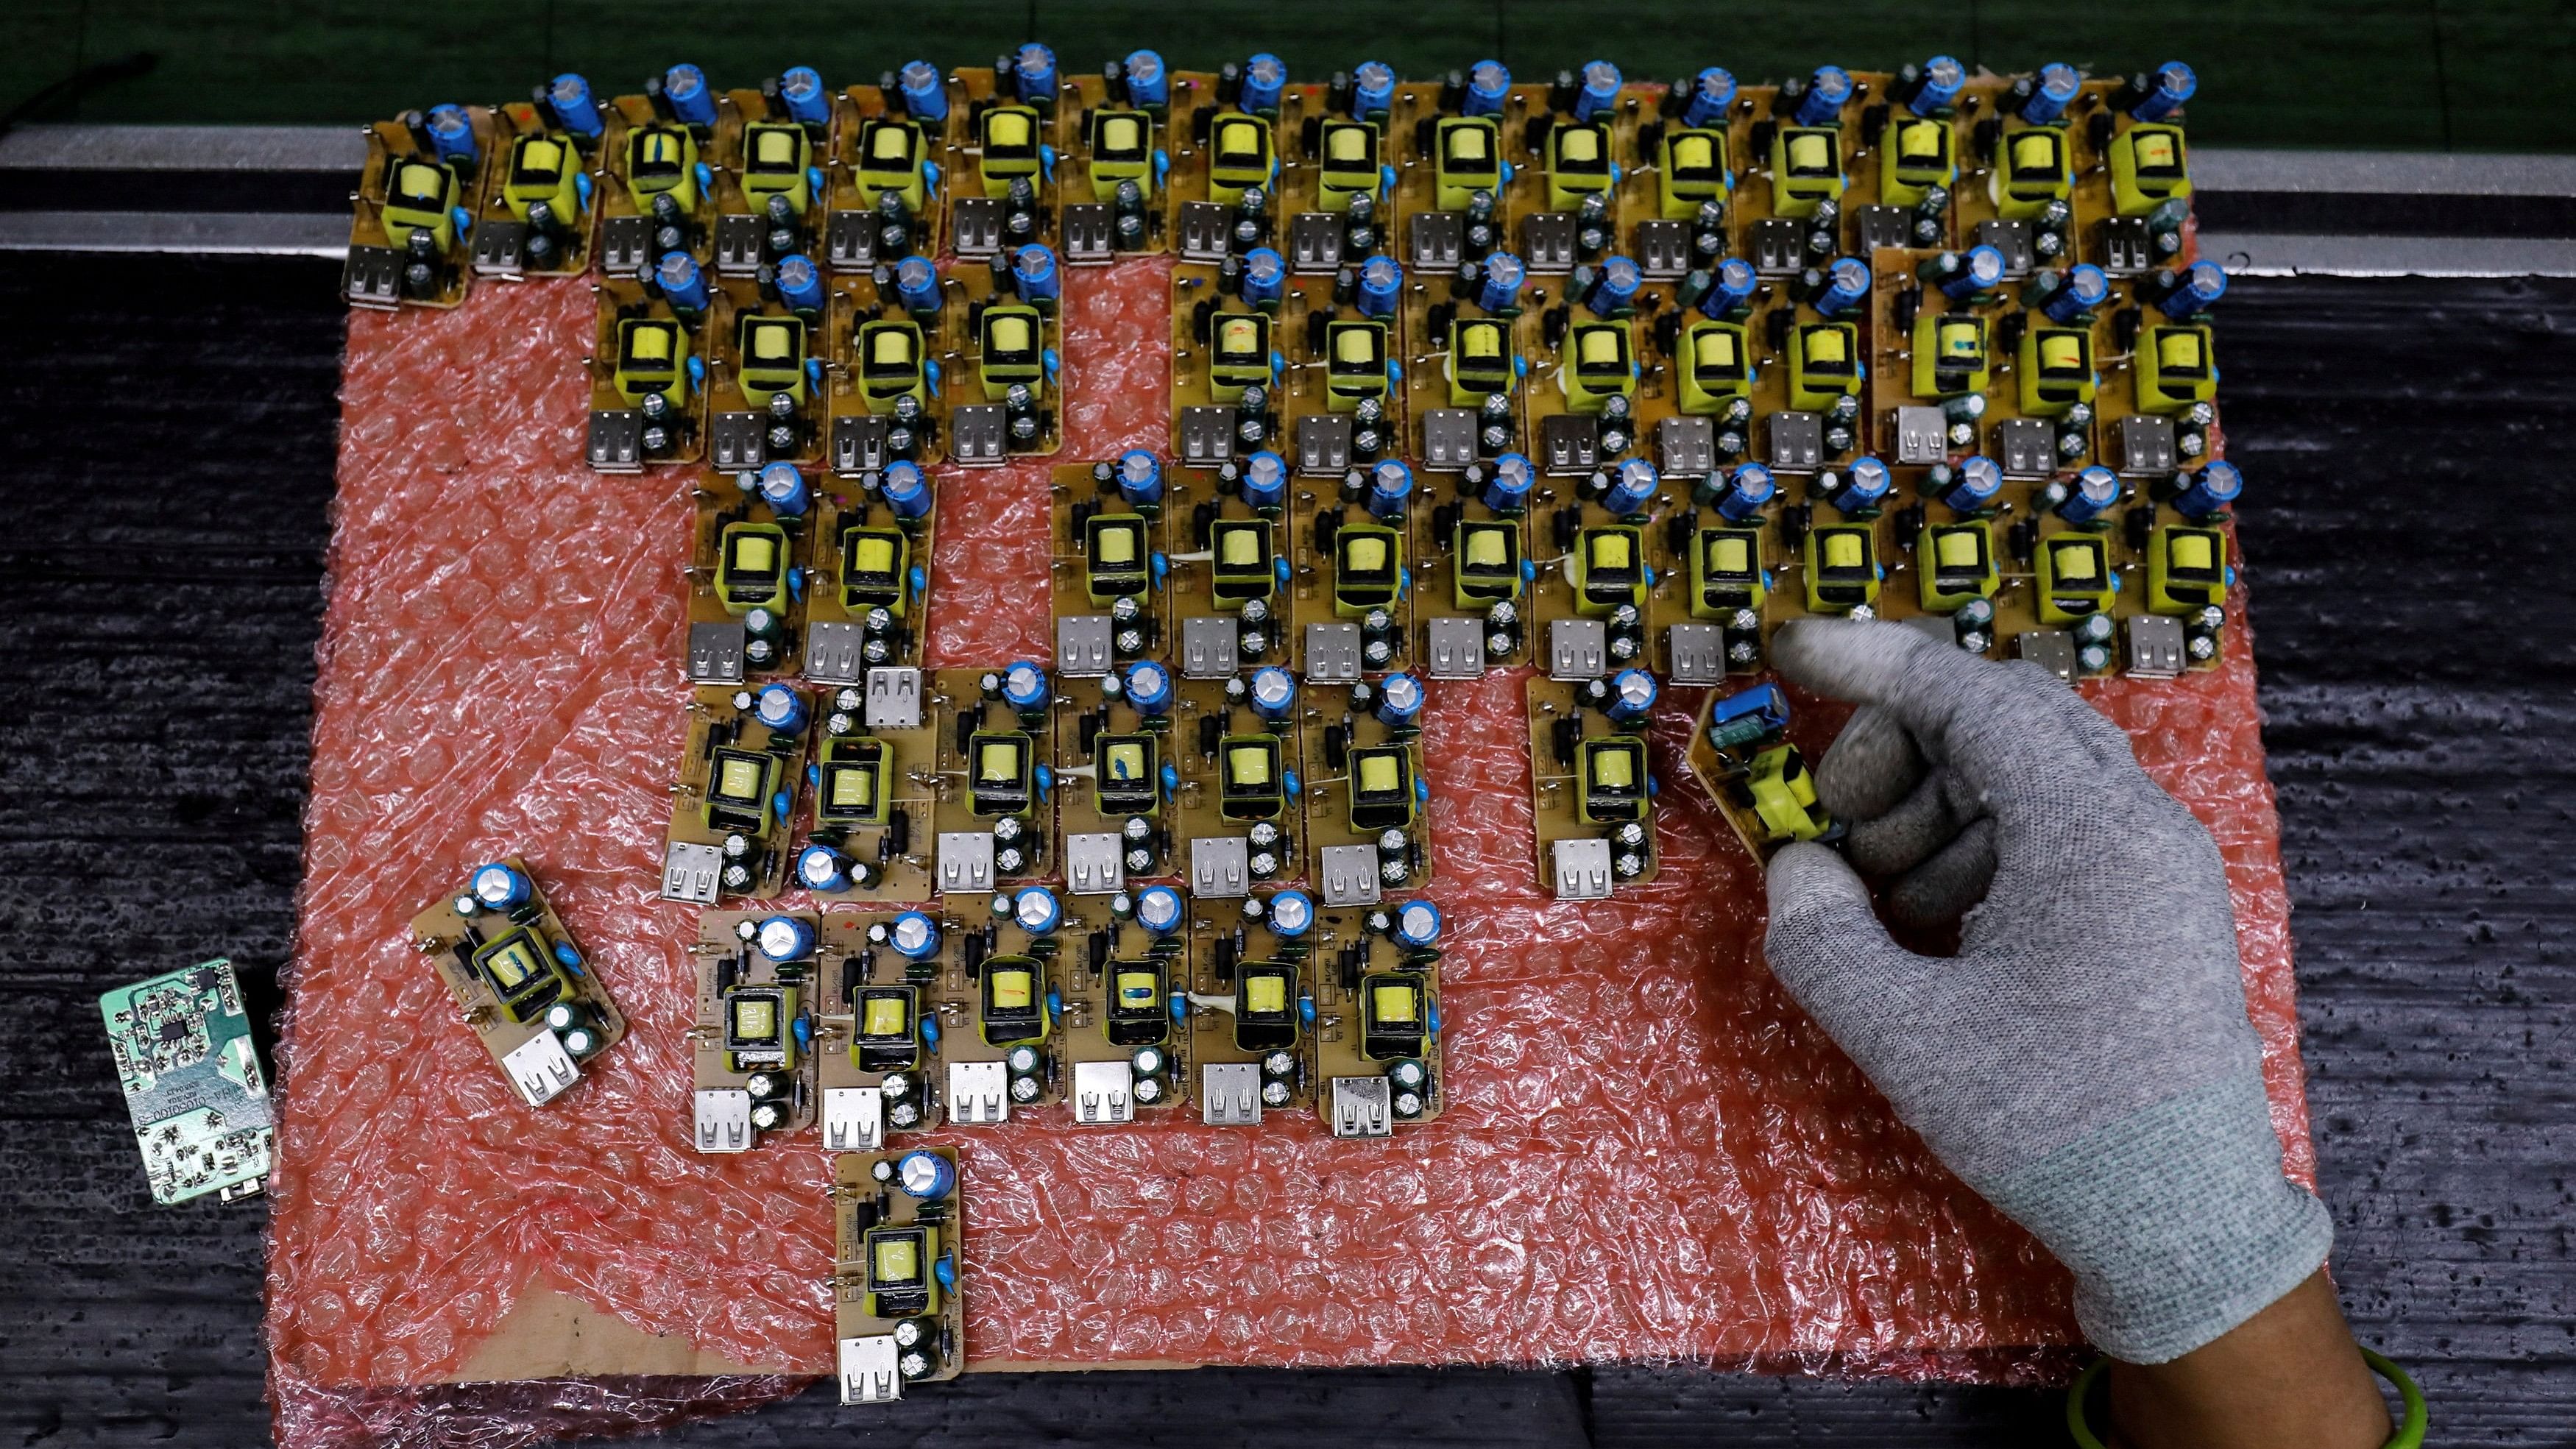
(192, 1083)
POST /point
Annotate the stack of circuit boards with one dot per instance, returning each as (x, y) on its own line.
(1596, 379)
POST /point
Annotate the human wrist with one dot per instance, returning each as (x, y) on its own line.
(2290, 1377)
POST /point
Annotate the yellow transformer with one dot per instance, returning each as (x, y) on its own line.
(1238, 354)
(1806, 168)
(1824, 364)
(661, 161)
(2056, 367)
(1578, 163)
(1011, 138)
(1469, 159)
(1842, 568)
(1350, 164)
(652, 357)
(1595, 365)
(1950, 354)
(1784, 796)
(2034, 171)
(421, 196)
(2148, 169)
(2186, 570)
(2075, 577)
(1693, 172)
(1954, 562)
(773, 358)
(2174, 368)
(892, 157)
(1717, 366)
(1917, 155)
(776, 161)
(543, 169)
(1122, 149)
(1240, 156)
(890, 364)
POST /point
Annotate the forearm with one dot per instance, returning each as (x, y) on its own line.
(2290, 1377)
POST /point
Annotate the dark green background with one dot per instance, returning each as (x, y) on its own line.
(2421, 74)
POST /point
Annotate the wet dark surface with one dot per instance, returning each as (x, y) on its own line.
(171, 424)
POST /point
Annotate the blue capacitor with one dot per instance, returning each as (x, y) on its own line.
(1292, 914)
(780, 707)
(1632, 696)
(1981, 270)
(1746, 491)
(1033, 74)
(451, 134)
(1372, 89)
(1973, 484)
(1489, 84)
(1272, 694)
(2211, 489)
(1159, 909)
(1827, 90)
(1024, 687)
(914, 936)
(692, 99)
(821, 868)
(1381, 286)
(1140, 478)
(1033, 274)
(801, 87)
(1731, 289)
(1416, 925)
(1614, 287)
(1942, 77)
(1399, 701)
(2173, 86)
(2052, 94)
(916, 285)
(1632, 487)
(1390, 489)
(1264, 276)
(496, 887)
(784, 938)
(1148, 687)
(2087, 287)
(1149, 84)
(682, 283)
(800, 282)
(905, 490)
(575, 107)
(1600, 91)
(925, 1175)
(1508, 484)
(2094, 491)
(1846, 287)
(1264, 77)
(784, 490)
(1265, 479)
(1711, 93)
(1036, 910)
(1499, 282)
(925, 91)
(1863, 484)
(2201, 283)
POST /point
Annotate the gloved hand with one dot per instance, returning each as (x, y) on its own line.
(2084, 1063)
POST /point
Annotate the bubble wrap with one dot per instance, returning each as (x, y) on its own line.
(1649, 1153)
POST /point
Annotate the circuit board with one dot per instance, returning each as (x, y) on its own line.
(193, 1085)
(897, 1223)
(752, 1045)
(740, 777)
(521, 984)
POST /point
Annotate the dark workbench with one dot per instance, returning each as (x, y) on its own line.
(171, 425)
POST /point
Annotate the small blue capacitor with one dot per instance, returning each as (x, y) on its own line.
(496, 887)
(1037, 911)
(1381, 287)
(1499, 282)
(801, 87)
(925, 91)
(1747, 490)
(1942, 77)
(2211, 489)
(1034, 275)
(2199, 285)
(1632, 487)
(1264, 276)
(1601, 81)
(1846, 287)
(2052, 93)
(1149, 84)
(1827, 90)
(1731, 289)
(1292, 914)
(800, 282)
(575, 107)
(1632, 696)
(1390, 489)
(692, 99)
(1973, 484)
(1399, 701)
(2087, 287)
(925, 1175)
(1372, 89)
(780, 707)
(451, 135)
(1148, 687)
(2094, 491)
(1024, 687)
(1863, 484)
(1272, 693)
(1614, 287)
(821, 868)
(1981, 270)
(1159, 910)
(1265, 479)
(1415, 926)
(1711, 93)
(1508, 483)
(784, 938)
(1033, 74)
(916, 285)
(1264, 77)
(784, 490)
(1489, 84)
(682, 283)
(1140, 478)
(905, 490)
(914, 936)
(2174, 84)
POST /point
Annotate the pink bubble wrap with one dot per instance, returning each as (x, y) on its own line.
(1649, 1153)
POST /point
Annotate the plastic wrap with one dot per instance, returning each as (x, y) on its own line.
(1649, 1153)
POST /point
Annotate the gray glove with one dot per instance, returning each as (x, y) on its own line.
(2084, 1063)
